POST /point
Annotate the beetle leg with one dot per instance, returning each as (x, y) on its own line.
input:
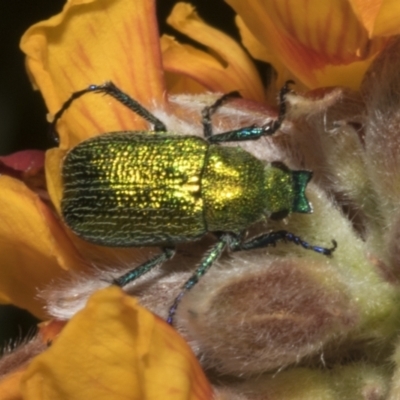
(272, 238)
(113, 91)
(251, 132)
(209, 111)
(204, 266)
(135, 273)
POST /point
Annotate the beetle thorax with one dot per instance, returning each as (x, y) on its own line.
(232, 189)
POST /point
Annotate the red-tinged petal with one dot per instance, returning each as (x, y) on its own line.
(28, 161)
(309, 37)
(232, 70)
(26, 166)
(379, 17)
(49, 330)
(116, 349)
(90, 42)
(33, 246)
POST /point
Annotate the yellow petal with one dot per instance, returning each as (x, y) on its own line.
(350, 75)
(308, 36)
(10, 385)
(367, 11)
(115, 349)
(33, 246)
(253, 45)
(179, 83)
(53, 163)
(260, 52)
(189, 66)
(231, 68)
(90, 42)
(379, 17)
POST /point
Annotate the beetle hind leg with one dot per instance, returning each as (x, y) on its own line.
(235, 243)
(204, 266)
(142, 269)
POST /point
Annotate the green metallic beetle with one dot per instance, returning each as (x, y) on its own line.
(133, 188)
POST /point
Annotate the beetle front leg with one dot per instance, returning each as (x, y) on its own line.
(208, 112)
(142, 269)
(251, 132)
(271, 238)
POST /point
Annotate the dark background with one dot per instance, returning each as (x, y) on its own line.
(22, 112)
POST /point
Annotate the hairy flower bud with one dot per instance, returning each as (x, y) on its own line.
(356, 381)
(269, 314)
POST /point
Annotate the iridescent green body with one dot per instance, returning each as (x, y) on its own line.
(144, 188)
(140, 188)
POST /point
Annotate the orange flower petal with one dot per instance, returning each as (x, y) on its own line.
(309, 36)
(54, 160)
(232, 70)
(379, 17)
(33, 246)
(192, 70)
(10, 386)
(253, 45)
(350, 75)
(367, 11)
(260, 52)
(116, 349)
(90, 42)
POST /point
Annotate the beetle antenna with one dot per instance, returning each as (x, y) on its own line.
(75, 95)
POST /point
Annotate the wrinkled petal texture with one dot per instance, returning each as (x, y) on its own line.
(379, 17)
(226, 67)
(33, 246)
(116, 349)
(90, 42)
(321, 43)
